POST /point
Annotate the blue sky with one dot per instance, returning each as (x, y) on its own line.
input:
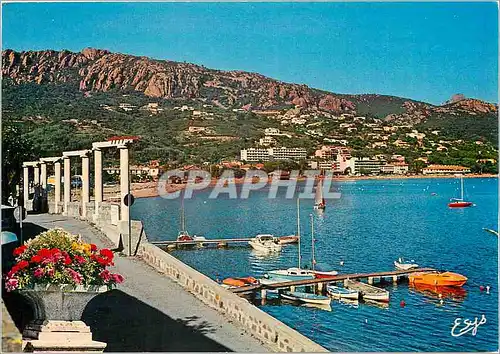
(424, 51)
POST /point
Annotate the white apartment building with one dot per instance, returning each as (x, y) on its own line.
(365, 164)
(280, 153)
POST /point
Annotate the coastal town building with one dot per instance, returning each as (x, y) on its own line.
(365, 165)
(397, 168)
(445, 169)
(279, 153)
(267, 141)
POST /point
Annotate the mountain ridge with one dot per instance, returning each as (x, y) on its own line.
(102, 70)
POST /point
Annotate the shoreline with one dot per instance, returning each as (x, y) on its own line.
(150, 189)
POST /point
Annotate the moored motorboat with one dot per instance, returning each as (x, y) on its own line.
(401, 264)
(437, 278)
(306, 297)
(290, 274)
(368, 292)
(238, 282)
(265, 243)
(338, 292)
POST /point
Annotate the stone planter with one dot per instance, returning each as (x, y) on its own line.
(57, 312)
(60, 302)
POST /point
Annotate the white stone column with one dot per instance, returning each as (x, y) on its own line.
(36, 179)
(57, 187)
(85, 184)
(67, 183)
(43, 175)
(124, 182)
(26, 186)
(97, 179)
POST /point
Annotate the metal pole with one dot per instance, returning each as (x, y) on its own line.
(129, 222)
(312, 240)
(298, 225)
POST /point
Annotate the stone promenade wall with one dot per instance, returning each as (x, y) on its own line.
(274, 333)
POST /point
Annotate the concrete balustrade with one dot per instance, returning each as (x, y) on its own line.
(265, 327)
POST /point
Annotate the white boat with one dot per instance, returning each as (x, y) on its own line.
(306, 297)
(319, 201)
(401, 264)
(368, 292)
(290, 274)
(341, 293)
(265, 243)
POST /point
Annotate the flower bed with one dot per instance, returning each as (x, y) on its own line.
(58, 257)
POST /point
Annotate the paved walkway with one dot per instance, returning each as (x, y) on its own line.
(149, 312)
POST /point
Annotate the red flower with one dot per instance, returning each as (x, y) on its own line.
(36, 259)
(19, 250)
(105, 275)
(22, 264)
(80, 259)
(117, 278)
(106, 254)
(93, 247)
(67, 259)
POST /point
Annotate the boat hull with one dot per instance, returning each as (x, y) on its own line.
(283, 240)
(286, 275)
(437, 279)
(307, 298)
(323, 275)
(460, 204)
(368, 292)
(265, 247)
(405, 266)
(340, 293)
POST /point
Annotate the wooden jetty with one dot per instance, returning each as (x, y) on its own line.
(223, 242)
(394, 275)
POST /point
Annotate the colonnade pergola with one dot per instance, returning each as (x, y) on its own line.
(98, 212)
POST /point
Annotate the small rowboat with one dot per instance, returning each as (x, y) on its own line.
(288, 239)
(238, 282)
(437, 278)
(341, 293)
(368, 292)
(320, 275)
(306, 297)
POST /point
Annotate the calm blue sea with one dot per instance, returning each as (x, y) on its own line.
(371, 225)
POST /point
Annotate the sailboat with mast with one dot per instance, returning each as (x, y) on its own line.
(295, 273)
(183, 235)
(460, 202)
(316, 272)
(319, 201)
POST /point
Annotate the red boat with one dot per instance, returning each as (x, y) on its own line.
(460, 203)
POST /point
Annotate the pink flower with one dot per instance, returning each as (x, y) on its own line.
(80, 259)
(11, 284)
(51, 272)
(39, 272)
(77, 277)
(105, 275)
(117, 278)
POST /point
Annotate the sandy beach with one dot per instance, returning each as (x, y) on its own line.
(150, 189)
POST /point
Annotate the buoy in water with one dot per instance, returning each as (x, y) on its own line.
(481, 288)
(366, 320)
(341, 263)
(487, 289)
(402, 303)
